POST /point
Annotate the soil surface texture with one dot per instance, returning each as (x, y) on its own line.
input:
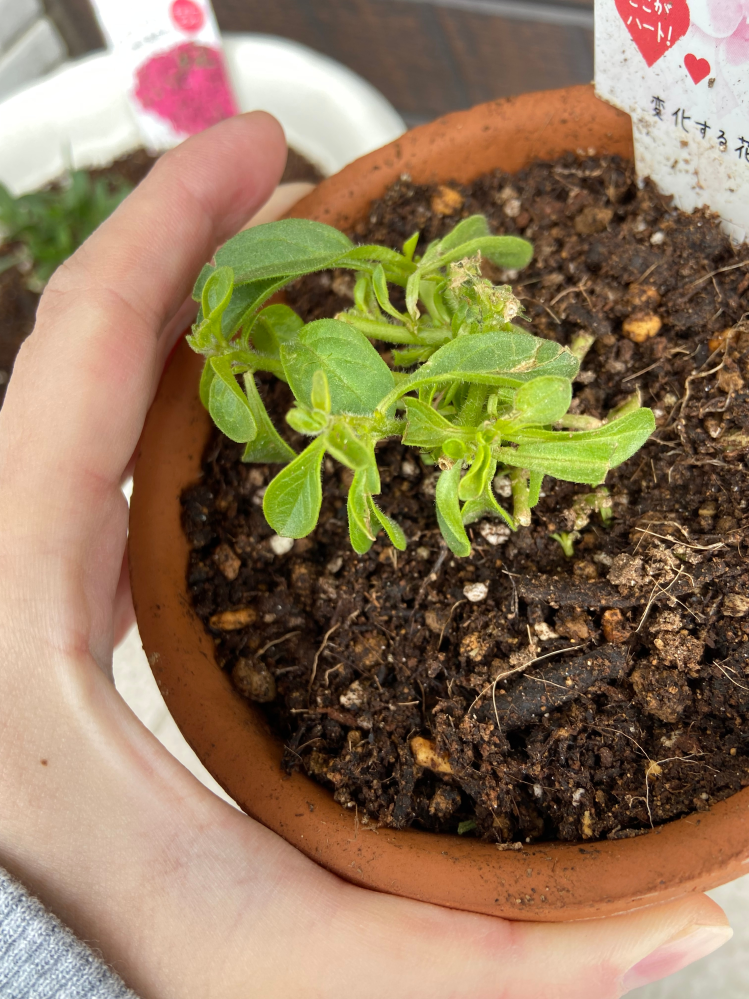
(18, 303)
(520, 694)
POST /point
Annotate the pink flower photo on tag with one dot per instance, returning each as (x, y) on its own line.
(187, 86)
(187, 15)
(719, 18)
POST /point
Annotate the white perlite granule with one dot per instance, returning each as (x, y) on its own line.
(494, 531)
(475, 592)
(281, 546)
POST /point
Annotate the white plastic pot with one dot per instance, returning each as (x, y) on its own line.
(79, 116)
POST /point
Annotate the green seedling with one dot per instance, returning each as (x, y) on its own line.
(567, 540)
(471, 390)
(50, 225)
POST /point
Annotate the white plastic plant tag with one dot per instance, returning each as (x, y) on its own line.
(680, 68)
(173, 60)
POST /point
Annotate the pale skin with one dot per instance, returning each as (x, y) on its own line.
(183, 895)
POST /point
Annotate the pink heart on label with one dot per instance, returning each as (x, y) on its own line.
(698, 69)
(655, 25)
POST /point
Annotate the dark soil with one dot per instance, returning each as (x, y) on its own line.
(520, 695)
(18, 304)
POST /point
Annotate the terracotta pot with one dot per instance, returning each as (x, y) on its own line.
(547, 881)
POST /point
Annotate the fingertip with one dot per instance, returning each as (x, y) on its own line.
(235, 166)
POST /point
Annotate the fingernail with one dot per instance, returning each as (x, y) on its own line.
(671, 957)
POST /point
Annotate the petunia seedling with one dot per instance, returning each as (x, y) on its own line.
(49, 225)
(467, 387)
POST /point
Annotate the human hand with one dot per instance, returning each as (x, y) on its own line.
(185, 896)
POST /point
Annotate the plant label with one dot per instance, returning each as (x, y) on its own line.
(680, 68)
(171, 56)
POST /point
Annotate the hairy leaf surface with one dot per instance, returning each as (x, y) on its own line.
(448, 511)
(286, 248)
(542, 401)
(293, 499)
(228, 405)
(357, 376)
(267, 445)
(498, 358)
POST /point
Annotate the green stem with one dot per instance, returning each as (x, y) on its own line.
(581, 343)
(253, 361)
(472, 411)
(380, 331)
(520, 496)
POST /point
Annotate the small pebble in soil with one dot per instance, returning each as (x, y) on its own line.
(475, 592)
(735, 605)
(254, 680)
(233, 620)
(353, 697)
(425, 755)
(513, 208)
(281, 546)
(502, 486)
(615, 626)
(642, 328)
(494, 532)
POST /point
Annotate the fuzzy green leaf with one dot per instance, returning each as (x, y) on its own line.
(360, 255)
(217, 291)
(320, 393)
(347, 447)
(412, 294)
(357, 376)
(409, 247)
(476, 480)
(507, 252)
(572, 461)
(246, 299)
(380, 286)
(206, 378)
(541, 401)
(426, 427)
(498, 358)
(306, 421)
(448, 511)
(267, 445)
(626, 435)
(393, 530)
(286, 248)
(474, 227)
(228, 405)
(276, 324)
(359, 520)
(534, 488)
(293, 499)
(486, 504)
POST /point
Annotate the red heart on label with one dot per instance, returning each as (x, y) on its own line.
(698, 69)
(655, 25)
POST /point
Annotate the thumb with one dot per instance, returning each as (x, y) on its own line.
(431, 949)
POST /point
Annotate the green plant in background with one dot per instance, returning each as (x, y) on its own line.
(467, 387)
(51, 224)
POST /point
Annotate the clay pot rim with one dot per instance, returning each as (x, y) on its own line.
(546, 881)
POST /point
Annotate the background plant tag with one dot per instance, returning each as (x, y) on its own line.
(680, 68)
(171, 53)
